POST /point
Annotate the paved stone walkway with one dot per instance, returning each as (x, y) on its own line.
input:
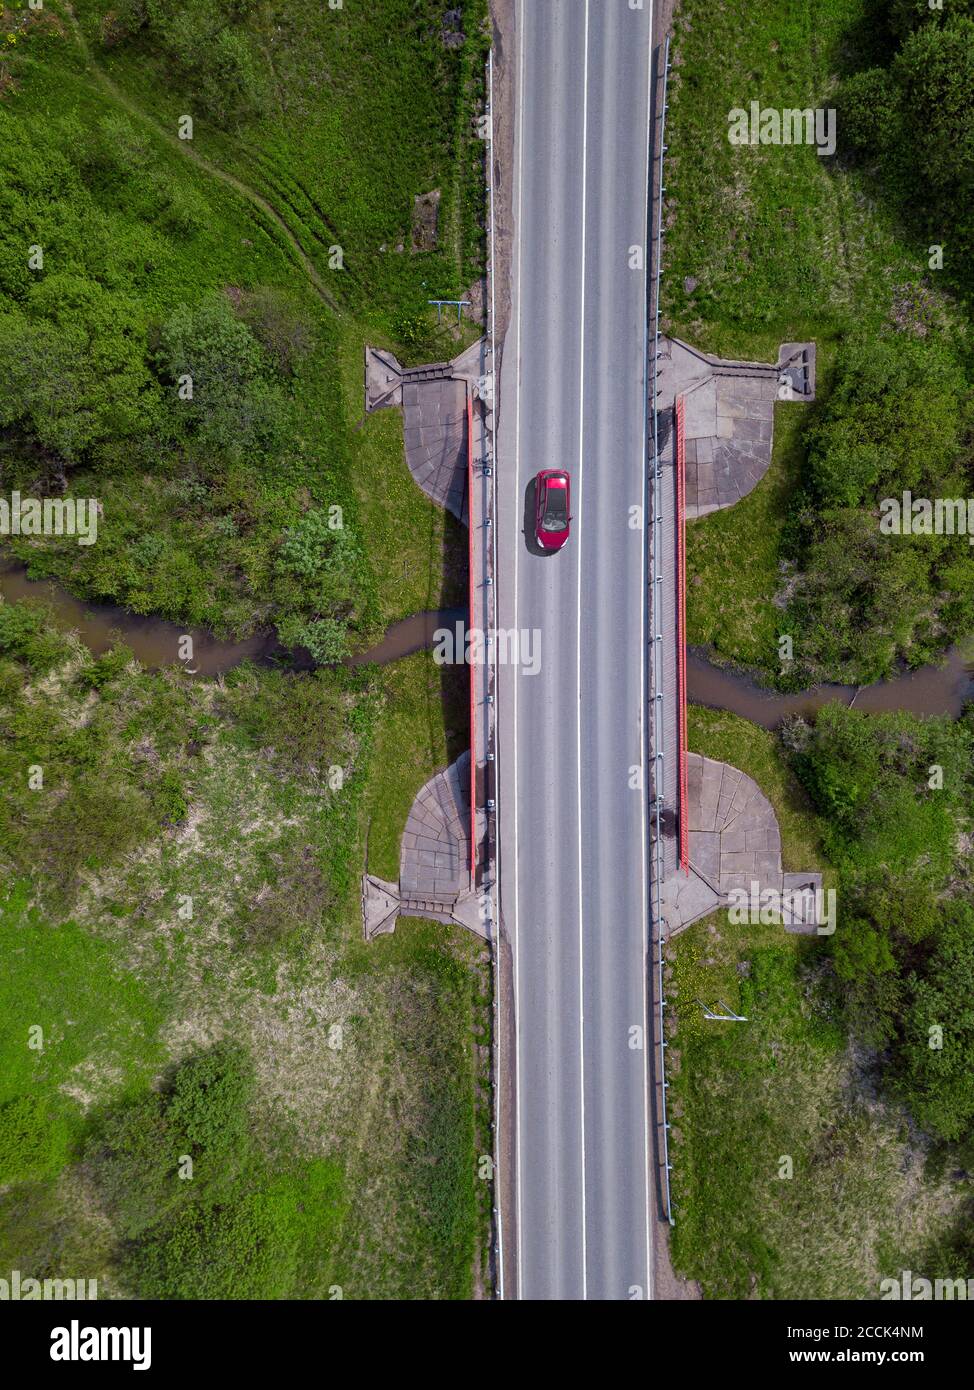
(734, 844)
(435, 857)
(729, 416)
(434, 861)
(434, 418)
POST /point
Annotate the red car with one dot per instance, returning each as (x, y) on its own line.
(552, 508)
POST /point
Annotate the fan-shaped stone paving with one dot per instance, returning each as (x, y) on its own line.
(434, 861)
(734, 845)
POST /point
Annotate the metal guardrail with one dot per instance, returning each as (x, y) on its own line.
(491, 621)
(681, 604)
(471, 623)
(657, 915)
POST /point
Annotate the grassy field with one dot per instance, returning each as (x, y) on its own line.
(181, 918)
(734, 560)
(768, 244)
(370, 109)
(366, 1109)
(791, 1180)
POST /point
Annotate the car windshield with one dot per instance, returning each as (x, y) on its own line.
(555, 509)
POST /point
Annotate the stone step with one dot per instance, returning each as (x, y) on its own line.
(433, 371)
(410, 907)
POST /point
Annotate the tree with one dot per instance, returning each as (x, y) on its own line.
(892, 422)
(233, 406)
(935, 1075)
(73, 373)
(935, 74)
(135, 1153)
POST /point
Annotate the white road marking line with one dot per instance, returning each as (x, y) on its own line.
(648, 1023)
(514, 672)
(578, 652)
(495, 904)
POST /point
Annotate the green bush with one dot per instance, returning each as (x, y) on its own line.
(325, 638)
(868, 113)
(33, 1143)
(936, 1079)
(235, 405)
(236, 1250)
(894, 422)
(914, 120)
(27, 633)
(136, 1152)
(891, 422)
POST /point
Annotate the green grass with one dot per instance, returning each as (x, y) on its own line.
(59, 1044)
(727, 738)
(383, 1118)
(422, 728)
(749, 1098)
(734, 558)
(438, 978)
(784, 246)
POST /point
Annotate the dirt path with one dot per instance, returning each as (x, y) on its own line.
(185, 147)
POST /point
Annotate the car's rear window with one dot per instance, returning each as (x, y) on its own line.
(555, 509)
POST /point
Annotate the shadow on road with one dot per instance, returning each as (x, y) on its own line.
(530, 536)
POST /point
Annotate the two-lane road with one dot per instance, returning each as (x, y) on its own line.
(571, 789)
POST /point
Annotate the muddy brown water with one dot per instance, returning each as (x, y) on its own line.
(413, 634)
(929, 690)
(155, 642)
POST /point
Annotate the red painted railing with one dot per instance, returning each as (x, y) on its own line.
(471, 620)
(681, 605)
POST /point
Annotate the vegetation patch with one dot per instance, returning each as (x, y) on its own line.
(772, 243)
(220, 916)
(813, 1156)
(195, 378)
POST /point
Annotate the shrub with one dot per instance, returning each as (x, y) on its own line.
(935, 1076)
(32, 1143)
(235, 407)
(27, 633)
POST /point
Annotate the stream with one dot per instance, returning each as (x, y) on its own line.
(155, 642)
(926, 691)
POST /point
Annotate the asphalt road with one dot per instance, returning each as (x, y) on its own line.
(573, 864)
